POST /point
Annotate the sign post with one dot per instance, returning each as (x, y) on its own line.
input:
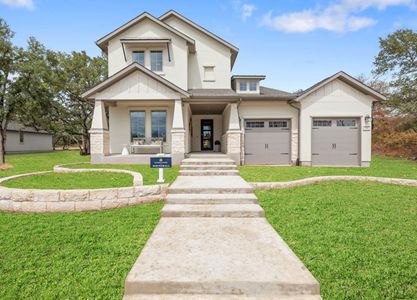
(161, 162)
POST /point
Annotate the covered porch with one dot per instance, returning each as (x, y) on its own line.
(131, 131)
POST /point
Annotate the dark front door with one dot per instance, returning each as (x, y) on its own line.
(206, 135)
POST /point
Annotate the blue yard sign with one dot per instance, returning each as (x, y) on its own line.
(161, 162)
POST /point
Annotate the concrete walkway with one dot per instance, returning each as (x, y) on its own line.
(213, 242)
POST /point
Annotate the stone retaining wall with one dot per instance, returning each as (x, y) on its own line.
(37, 200)
(311, 180)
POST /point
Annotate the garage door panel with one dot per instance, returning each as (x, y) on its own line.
(333, 144)
(267, 144)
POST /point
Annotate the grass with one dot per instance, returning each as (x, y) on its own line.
(149, 175)
(358, 239)
(91, 180)
(26, 163)
(380, 167)
(72, 255)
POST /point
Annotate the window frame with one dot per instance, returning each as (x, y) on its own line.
(250, 85)
(209, 73)
(144, 124)
(282, 122)
(21, 136)
(144, 56)
(254, 122)
(318, 124)
(340, 123)
(165, 124)
(241, 84)
(151, 60)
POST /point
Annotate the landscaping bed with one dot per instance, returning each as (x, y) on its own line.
(380, 167)
(64, 181)
(72, 255)
(358, 239)
(150, 176)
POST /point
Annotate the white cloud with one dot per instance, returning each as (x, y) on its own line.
(247, 11)
(28, 4)
(338, 16)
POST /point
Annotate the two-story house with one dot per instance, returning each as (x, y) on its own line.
(171, 88)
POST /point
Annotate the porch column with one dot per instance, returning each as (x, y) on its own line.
(99, 133)
(177, 133)
(234, 135)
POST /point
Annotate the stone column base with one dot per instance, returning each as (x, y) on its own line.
(100, 143)
(177, 145)
(233, 145)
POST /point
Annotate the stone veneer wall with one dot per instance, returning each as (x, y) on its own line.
(36, 200)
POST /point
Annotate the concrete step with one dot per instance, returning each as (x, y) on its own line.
(208, 161)
(211, 199)
(213, 210)
(219, 257)
(210, 185)
(208, 167)
(208, 172)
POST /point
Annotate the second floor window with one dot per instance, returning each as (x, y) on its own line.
(253, 86)
(243, 86)
(139, 57)
(156, 61)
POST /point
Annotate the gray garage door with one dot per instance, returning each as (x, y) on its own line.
(335, 141)
(267, 142)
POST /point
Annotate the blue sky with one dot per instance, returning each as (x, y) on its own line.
(294, 43)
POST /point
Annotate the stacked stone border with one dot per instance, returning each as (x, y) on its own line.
(311, 180)
(40, 201)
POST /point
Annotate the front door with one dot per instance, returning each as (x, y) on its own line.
(206, 135)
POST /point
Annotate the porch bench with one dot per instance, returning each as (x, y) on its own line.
(145, 149)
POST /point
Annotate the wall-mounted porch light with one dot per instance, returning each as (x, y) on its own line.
(368, 118)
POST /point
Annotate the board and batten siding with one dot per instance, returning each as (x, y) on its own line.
(32, 142)
(271, 110)
(335, 99)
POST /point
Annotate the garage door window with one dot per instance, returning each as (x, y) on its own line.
(255, 124)
(278, 124)
(322, 123)
(346, 123)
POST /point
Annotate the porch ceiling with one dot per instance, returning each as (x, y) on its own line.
(207, 108)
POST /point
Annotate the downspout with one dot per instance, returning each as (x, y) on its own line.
(290, 103)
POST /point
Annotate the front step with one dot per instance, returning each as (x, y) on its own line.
(208, 167)
(213, 210)
(208, 172)
(217, 297)
(211, 199)
(199, 190)
(218, 161)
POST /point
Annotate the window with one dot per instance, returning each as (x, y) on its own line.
(253, 86)
(346, 123)
(159, 125)
(137, 125)
(209, 73)
(255, 124)
(21, 136)
(322, 123)
(139, 57)
(278, 124)
(156, 61)
(243, 86)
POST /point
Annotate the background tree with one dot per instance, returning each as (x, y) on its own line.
(77, 73)
(397, 59)
(8, 101)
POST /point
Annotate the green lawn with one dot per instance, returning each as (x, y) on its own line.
(149, 175)
(26, 163)
(72, 255)
(91, 180)
(358, 239)
(380, 167)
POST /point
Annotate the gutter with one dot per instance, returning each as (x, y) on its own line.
(291, 103)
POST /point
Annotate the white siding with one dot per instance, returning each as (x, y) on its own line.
(272, 110)
(32, 142)
(209, 53)
(174, 71)
(336, 99)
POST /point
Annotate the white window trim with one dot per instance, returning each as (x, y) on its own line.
(204, 73)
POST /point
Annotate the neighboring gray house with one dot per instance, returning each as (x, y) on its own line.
(21, 138)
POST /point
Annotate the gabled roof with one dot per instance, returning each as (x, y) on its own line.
(233, 48)
(259, 77)
(347, 79)
(127, 71)
(102, 43)
(16, 126)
